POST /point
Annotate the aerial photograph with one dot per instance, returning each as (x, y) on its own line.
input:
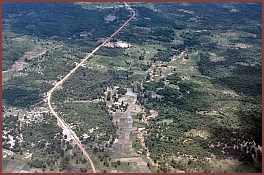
(131, 87)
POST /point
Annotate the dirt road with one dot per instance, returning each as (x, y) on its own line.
(63, 124)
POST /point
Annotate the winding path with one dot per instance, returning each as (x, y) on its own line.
(64, 124)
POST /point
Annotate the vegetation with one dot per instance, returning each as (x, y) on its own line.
(69, 19)
(20, 97)
(13, 49)
(87, 116)
(197, 64)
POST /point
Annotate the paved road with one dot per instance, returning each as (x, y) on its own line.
(63, 124)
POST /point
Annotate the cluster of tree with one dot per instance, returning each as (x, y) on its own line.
(13, 50)
(122, 91)
(244, 80)
(169, 94)
(203, 63)
(144, 67)
(191, 41)
(20, 97)
(162, 34)
(217, 17)
(120, 75)
(110, 52)
(163, 55)
(11, 127)
(183, 112)
(42, 130)
(87, 116)
(107, 161)
(173, 79)
(152, 86)
(91, 84)
(60, 19)
(55, 153)
(24, 91)
(166, 139)
(178, 47)
(44, 155)
(157, 19)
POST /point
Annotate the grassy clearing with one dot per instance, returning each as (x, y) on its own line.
(109, 62)
(186, 67)
(138, 124)
(135, 142)
(219, 165)
(167, 121)
(195, 132)
(5, 163)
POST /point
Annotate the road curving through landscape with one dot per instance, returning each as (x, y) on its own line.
(64, 124)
